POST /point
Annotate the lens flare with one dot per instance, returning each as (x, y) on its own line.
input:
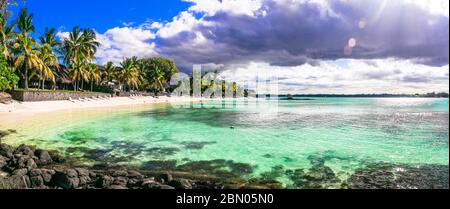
(352, 42)
(362, 24)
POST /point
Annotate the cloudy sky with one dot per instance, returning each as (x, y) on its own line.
(313, 46)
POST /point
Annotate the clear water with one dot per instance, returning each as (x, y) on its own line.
(347, 133)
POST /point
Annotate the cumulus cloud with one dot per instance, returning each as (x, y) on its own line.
(118, 43)
(298, 36)
(291, 32)
(345, 76)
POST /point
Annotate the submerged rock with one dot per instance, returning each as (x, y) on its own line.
(196, 145)
(391, 176)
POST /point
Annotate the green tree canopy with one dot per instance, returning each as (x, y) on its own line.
(157, 70)
(8, 78)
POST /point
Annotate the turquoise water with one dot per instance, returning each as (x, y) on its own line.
(347, 133)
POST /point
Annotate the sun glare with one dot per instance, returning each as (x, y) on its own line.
(438, 7)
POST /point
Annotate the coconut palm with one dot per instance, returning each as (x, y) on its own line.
(109, 73)
(50, 61)
(95, 75)
(159, 80)
(129, 72)
(79, 72)
(25, 22)
(50, 39)
(26, 57)
(90, 44)
(47, 54)
(6, 35)
(4, 7)
(79, 50)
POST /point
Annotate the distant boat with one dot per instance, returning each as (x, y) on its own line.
(290, 97)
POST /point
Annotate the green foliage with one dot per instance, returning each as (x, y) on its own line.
(157, 70)
(8, 78)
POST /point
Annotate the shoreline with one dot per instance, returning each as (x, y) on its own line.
(53, 106)
(62, 105)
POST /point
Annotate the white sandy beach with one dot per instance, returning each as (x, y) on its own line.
(50, 106)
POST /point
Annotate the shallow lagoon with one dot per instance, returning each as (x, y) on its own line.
(251, 138)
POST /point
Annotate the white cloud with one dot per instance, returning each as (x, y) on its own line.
(62, 35)
(118, 43)
(235, 7)
(347, 77)
(185, 21)
(438, 7)
(279, 36)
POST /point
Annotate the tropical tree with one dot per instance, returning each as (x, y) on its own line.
(50, 62)
(26, 58)
(4, 7)
(6, 35)
(129, 73)
(79, 72)
(159, 79)
(47, 54)
(79, 51)
(8, 79)
(157, 71)
(109, 72)
(95, 75)
(49, 38)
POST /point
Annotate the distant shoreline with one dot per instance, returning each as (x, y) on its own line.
(439, 95)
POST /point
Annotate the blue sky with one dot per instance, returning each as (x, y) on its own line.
(315, 46)
(99, 14)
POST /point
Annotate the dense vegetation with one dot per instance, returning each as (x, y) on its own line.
(7, 77)
(70, 63)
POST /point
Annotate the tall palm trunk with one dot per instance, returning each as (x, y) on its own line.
(75, 85)
(25, 77)
(92, 86)
(162, 86)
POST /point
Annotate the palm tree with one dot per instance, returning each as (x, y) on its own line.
(6, 35)
(6, 31)
(25, 22)
(79, 73)
(49, 38)
(26, 57)
(95, 75)
(47, 54)
(4, 7)
(90, 44)
(50, 61)
(129, 72)
(159, 79)
(109, 73)
(79, 51)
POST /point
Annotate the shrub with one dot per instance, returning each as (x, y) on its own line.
(8, 78)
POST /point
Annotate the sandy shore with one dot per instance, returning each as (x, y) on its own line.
(50, 106)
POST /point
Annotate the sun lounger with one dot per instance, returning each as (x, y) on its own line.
(70, 99)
